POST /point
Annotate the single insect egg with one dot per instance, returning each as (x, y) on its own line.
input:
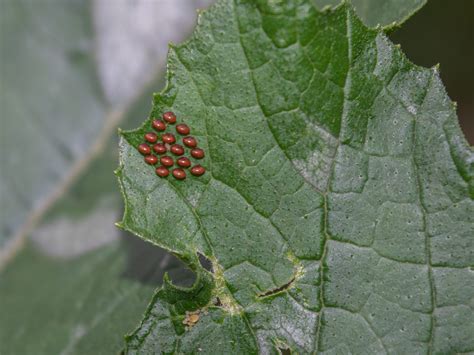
(159, 125)
(184, 162)
(182, 129)
(190, 142)
(177, 149)
(179, 174)
(159, 148)
(168, 138)
(166, 161)
(144, 149)
(151, 159)
(197, 153)
(161, 171)
(151, 137)
(169, 117)
(198, 170)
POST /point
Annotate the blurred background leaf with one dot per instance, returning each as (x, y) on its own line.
(79, 306)
(52, 105)
(71, 72)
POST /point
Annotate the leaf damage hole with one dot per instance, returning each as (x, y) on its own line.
(282, 347)
(147, 264)
(278, 289)
(217, 302)
(205, 263)
(284, 351)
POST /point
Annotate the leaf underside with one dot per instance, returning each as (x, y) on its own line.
(337, 208)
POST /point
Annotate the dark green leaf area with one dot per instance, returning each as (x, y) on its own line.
(337, 207)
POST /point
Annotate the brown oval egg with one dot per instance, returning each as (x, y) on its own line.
(168, 138)
(144, 149)
(161, 171)
(166, 161)
(159, 148)
(169, 117)
(198, 170)
(197, 153)
(179, 174)
(151, 137)
(151, 159)
(159, 125)
(183, 129)
(177, 149)
(184, 162)
(190, 142)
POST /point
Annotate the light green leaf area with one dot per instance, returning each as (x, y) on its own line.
(337, 207)
(387, 13)
(52, 106)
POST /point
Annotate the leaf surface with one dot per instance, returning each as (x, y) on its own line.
(387, 13)
(337, 208)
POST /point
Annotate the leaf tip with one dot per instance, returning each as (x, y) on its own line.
(172, 45)
(120, 225)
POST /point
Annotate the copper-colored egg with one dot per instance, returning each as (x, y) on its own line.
(144, 149)
(184, 162)
(177, 149)
(183, 129)
(168, 138)
(197, 153)
(169, 117)
(151, 159)
(161, 171)
(179, 174)
(166, 161)
(198, 170)
(159, 148)
(159, 125)
(190, 142)
(151, 137)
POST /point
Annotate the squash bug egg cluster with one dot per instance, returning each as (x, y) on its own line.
(157, 145)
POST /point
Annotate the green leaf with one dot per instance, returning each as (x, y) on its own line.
(387, 13)
(337, 208)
